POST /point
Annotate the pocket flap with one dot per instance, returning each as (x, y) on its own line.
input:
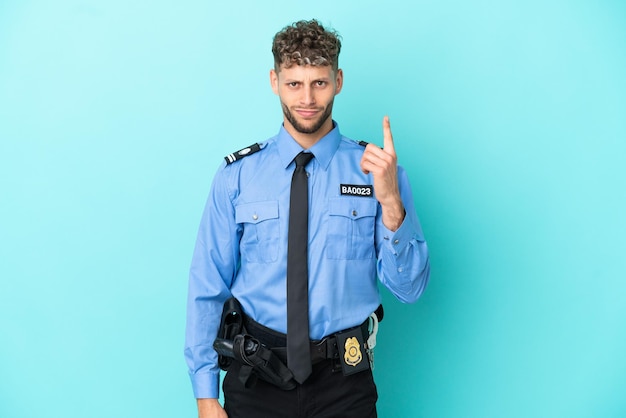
(256, 212)
(355, 208)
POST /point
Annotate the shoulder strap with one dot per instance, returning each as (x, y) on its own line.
(236, 156)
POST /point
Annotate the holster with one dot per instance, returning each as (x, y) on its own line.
(231, 325)
(256, 359)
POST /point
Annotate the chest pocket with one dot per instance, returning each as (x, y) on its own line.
(351, 226)
(261, 230)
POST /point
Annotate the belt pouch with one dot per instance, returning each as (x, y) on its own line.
(256, 359)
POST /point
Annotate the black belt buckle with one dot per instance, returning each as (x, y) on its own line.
(352, 354)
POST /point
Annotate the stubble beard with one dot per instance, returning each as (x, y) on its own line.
(308, 129)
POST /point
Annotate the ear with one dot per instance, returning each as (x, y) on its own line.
(274, 80)
(339, 81)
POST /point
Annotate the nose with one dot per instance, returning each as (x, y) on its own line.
(308, 96)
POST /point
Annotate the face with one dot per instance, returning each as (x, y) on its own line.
(306, 96)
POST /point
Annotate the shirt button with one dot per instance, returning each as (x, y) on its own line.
(396, 242)
(354, 213)
(255, 216)
(400, 269)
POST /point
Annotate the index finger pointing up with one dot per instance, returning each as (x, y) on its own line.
(387, 137)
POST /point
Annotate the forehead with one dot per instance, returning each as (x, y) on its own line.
(306, 72)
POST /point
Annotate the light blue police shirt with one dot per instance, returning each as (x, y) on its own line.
(241, 247)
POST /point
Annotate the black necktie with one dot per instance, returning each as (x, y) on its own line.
(298, 349)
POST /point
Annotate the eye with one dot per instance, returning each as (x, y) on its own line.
(320, 83)
(293, 84)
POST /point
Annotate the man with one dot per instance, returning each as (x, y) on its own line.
(361, 226)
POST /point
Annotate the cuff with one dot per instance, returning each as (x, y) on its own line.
(205, 385)
(398, 240)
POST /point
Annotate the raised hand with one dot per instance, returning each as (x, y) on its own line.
(383, 164)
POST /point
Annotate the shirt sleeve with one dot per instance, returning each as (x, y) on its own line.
(213, 267)
(403, 264)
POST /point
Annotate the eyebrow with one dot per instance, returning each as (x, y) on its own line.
(293, 80)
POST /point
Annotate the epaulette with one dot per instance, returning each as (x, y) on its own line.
(231, 158)
(362, 143)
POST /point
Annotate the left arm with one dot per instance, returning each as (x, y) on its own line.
(403, 263)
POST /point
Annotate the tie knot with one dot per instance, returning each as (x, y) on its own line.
(303, 159)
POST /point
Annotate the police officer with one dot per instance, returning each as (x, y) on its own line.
(362, 228)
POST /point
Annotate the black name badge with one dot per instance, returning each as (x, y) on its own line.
(352, 354)
(356, 190)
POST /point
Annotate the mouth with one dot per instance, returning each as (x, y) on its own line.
(307, 113)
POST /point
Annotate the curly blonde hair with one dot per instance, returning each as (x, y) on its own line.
(306, 42)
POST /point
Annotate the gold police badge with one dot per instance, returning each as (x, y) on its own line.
(353, 354)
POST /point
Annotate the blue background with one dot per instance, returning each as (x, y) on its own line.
(509, 116)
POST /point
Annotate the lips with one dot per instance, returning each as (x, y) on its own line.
(307, 113)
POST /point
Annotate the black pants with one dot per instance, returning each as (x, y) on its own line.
(325, 394)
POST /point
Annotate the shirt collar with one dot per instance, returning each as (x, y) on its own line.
(324, 149)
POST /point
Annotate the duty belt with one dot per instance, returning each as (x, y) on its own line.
(324, 349)
(262, 351)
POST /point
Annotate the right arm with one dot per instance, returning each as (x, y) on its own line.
(213, 267)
